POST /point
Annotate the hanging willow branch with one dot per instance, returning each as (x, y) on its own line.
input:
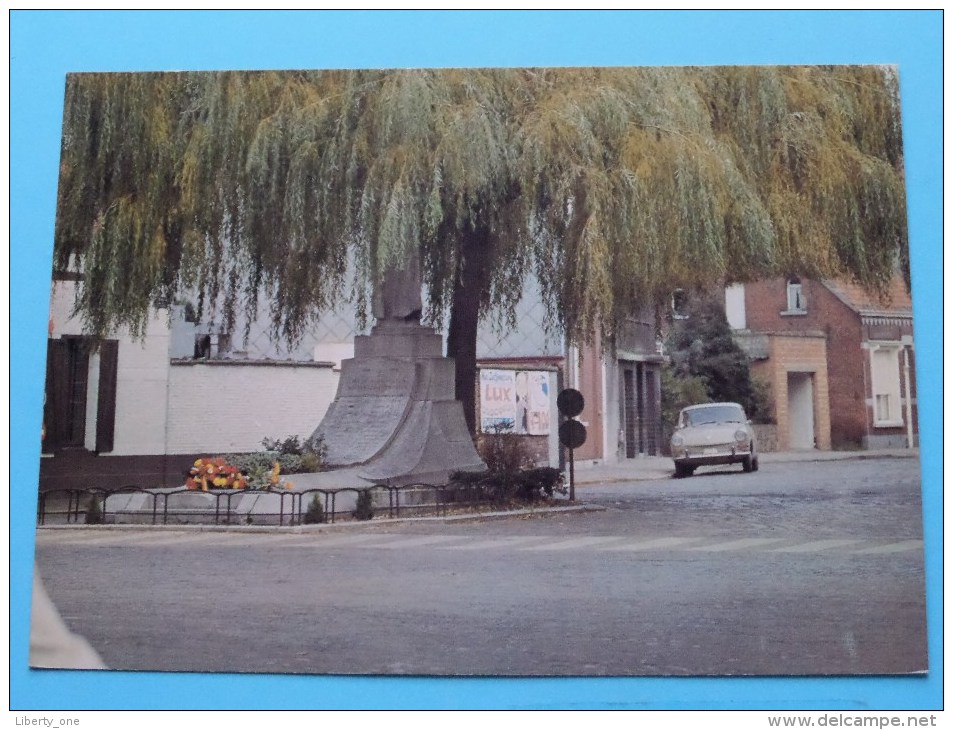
(611, 186)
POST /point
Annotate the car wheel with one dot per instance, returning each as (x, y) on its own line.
(747, 464)
(754, 464)
(682, 471)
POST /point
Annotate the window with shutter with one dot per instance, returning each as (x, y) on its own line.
(66, 405)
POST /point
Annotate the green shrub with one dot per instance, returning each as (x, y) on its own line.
(310, 462)
(677, 393)
(762, 402)
(315, 513)
(315, 445)
(526, 485)
(506, 457)
(504, 452)
(512, 474)
(289, 445)
(364, 509)
(541, 481)
(260, 463)
(295, 455)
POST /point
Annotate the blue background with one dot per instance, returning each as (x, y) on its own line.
(46, 45)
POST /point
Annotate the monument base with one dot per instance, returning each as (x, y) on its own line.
(396, 416)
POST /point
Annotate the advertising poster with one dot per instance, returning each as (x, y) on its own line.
(497, 400)
(515, 400)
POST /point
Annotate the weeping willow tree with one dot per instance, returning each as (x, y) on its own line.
(612, 186)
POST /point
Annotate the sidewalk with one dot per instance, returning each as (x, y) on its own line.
(661, 467)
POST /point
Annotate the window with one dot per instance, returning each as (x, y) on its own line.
(735, 306)
(883, 407)
(796, 300)
(885, 382)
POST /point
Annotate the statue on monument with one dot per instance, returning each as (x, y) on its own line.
(396, 295)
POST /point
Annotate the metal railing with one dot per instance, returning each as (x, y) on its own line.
(73, 506)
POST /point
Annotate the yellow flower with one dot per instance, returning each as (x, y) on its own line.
(220, 481)
(198, 462)
(289, 485)
(274, 473)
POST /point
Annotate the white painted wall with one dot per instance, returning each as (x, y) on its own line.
(218, 407)
(142, 391)
(197, 406)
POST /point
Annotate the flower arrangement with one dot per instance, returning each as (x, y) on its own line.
(216, 474)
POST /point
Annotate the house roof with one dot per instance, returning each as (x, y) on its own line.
(896, 301)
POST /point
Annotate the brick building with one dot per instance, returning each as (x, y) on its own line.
(839, 360)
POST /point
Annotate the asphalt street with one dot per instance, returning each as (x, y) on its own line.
(798, 569)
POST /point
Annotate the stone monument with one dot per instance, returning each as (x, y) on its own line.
(395, 419)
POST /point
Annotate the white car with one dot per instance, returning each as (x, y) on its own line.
(713, 433)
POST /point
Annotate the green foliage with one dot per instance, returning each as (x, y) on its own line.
(706, 361)
(677, 393)
(512, 474)
(527, 485)
(540, 481)
(315, 513)
(292, 455)
(289, 445)
(762, 401)
(293, 445)
(612, 185)
(364, 508)
(310, 462)
(504, 452)
(258, 465)
(94, 511)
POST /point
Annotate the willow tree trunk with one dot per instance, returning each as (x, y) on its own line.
(470, 284)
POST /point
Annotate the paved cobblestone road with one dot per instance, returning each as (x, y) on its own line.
(801, 568)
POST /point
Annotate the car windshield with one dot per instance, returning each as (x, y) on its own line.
(714, 414)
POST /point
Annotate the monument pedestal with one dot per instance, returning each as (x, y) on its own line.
(395, 416)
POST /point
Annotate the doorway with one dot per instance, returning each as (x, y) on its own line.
(640, 418)
(801, 411)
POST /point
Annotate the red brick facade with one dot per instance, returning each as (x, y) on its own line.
(850, 323)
